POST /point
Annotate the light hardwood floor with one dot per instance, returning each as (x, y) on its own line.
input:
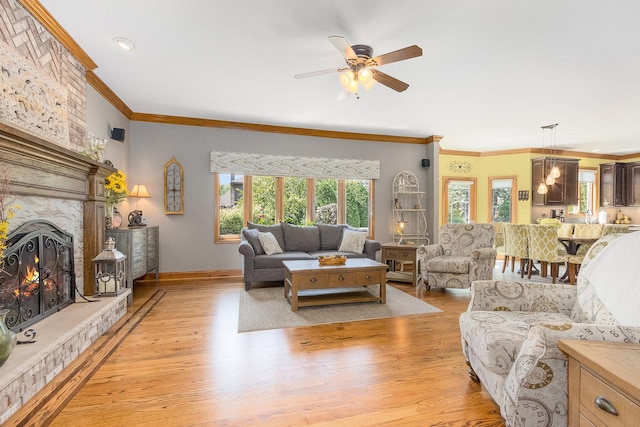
(176, 359)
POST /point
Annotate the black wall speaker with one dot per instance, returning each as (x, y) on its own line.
(117, 134)
(426, 163)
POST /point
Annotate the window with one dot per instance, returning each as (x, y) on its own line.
(502, 194)
(299, 201)
(229, 199)
(459, 200)
(586, 193)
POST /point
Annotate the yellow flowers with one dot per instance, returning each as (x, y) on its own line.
(115, 188)
(6, 213)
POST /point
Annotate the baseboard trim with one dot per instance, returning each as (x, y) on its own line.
(191, 275)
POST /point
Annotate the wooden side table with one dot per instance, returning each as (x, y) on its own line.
(604, 383)
(396, 253)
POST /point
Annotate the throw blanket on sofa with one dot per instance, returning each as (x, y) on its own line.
(618, 261)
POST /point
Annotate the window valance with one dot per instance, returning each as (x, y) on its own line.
(303, 167)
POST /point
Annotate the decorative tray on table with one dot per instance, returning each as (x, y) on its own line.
(332, 260)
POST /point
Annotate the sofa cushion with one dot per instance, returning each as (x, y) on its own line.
(275, 260)
(352, 241)
(330, 236)
(269, 243)
(300, 238)
(276, 230)
(449, 264)
(496, 336)
(251, 236)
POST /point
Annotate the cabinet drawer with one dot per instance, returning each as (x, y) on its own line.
(341, 279)
(399, 254)
(312, 280)
(591, 388)
(368, 278)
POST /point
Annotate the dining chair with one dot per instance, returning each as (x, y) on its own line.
(545, 247)
(498, 240)
(587, 231)
(565, 230)
(516, 245)
(614, 229)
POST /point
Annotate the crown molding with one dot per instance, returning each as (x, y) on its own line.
(191, 121)
(108, 94)
(545, 152)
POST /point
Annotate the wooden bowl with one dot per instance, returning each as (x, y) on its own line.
(332, 260)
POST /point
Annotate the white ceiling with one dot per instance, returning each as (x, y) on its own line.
(492, 73)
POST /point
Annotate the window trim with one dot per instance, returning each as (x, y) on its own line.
(472, 197)
(248, 211)
(514, 198)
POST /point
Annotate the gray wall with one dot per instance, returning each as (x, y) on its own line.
(186, 241)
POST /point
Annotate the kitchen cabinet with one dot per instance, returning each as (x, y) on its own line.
(632, 182)
(612, 184)
(564, 191)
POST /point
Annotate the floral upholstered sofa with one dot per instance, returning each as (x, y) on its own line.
(510, 330)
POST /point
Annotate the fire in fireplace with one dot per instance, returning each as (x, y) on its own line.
(37, 278)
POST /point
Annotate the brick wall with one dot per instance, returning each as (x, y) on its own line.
(24, 34)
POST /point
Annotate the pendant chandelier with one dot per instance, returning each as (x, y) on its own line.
(555, 170)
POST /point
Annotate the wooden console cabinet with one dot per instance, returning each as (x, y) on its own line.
(604, 383)
(141, 246)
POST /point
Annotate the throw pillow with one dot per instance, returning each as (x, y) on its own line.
(269, 243)
(352, 241)
(251, 236)
(300, 238)
(276, 230)
(330, 236)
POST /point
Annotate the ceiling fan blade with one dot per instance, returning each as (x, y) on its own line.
(344, 94)
(319, 73)
(343, 47)
(395, 56)
(391, 82)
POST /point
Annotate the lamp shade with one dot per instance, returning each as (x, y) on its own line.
(139, 190)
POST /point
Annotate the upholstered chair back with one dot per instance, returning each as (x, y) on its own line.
(588, 230)
(498, 230)
(516, 240)
(544, 244)
(588, 307)
(615, 228)
(565, 230)
(462, 239)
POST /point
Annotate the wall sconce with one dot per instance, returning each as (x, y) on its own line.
(523, 195)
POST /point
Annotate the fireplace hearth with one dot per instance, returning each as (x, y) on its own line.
(38, 277)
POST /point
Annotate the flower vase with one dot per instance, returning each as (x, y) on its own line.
(7, 338)
(116, 218)
(108, 220)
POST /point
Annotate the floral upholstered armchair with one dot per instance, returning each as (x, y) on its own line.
(464, 253)
(510, 330)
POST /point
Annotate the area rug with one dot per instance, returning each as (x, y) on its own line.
(267, 308)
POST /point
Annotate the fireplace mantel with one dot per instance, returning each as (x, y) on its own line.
(41, 168)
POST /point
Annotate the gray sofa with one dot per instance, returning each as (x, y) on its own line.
(297, 243)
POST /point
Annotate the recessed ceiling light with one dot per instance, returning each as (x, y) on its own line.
(595, 151)
(123, 43)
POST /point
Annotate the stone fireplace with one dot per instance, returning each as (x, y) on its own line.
(38, 277)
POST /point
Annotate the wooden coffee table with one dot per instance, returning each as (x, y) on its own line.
(307, 283)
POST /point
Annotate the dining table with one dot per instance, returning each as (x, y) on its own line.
(572, 244)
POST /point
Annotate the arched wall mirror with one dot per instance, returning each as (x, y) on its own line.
(173, 188)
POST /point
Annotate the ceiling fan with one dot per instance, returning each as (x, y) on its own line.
(362, 69)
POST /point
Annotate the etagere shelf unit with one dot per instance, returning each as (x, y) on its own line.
(410, 222)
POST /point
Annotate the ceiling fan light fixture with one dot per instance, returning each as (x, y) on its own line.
(365, 75)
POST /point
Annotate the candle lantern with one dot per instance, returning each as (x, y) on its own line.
(109, 270)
